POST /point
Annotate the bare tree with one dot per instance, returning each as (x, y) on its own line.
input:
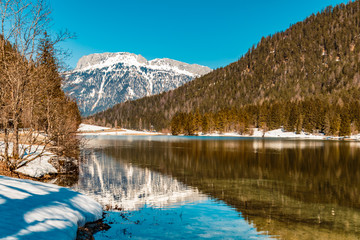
(23, 78)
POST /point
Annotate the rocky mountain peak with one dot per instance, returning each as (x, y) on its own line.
(102, 80)
(98, 60)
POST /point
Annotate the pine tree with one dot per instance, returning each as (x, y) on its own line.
(176, 124)
(292, 118)
(345, 124)
(197, 122)
(205, 123)
(327, 126)
(335, 124)
(190, 128)
(299, 124)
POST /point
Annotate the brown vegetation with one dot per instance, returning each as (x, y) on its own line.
(33, 108)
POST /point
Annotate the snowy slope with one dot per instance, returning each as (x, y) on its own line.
(34, 210)
(100, 81)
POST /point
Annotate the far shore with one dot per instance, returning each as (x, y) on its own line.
(87, 129)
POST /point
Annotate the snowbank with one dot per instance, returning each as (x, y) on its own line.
(89, 128)
(280, 133)
(86, 129)
(35, 168)
(277, 133)
(122, 132)
(34, 210)
(39, 167)
(356, 137)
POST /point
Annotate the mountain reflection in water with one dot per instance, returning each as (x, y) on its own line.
(123, 186)
(289, 188)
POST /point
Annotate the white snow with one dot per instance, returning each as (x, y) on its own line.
(100, 93)
(34, 210)
(39, 159)
(129, 59)
(39, 167)
(283, 134)
(88, 127)
(356, 137)
(162, 64)
(119, 132)
(279, 133)
(77, 80)
(92, 94)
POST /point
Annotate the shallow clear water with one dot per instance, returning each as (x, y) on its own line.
(207, 219)
(232, 188)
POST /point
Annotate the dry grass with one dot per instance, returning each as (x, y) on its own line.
(24, 138)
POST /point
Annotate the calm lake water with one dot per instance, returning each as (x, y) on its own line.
(224, 188)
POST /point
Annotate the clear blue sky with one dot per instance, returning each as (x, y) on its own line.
(211, 33)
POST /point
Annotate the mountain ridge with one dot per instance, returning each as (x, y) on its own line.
(102, 80)
(99, 60)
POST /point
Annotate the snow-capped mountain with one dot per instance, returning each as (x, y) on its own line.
(100, 81)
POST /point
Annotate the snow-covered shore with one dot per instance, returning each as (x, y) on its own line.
(277, 133)
(35, 210)
(91, 128)
(280, 133)
(87, 129)
(38, 158)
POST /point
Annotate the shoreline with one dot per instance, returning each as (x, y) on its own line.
(41, 208)
(83, 232)
(94, 130)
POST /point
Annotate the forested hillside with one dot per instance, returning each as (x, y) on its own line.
(305, 78)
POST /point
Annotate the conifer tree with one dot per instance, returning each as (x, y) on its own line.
(345, 123)
(205, 123)
(293, 116)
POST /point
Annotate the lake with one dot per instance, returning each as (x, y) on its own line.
(161, 187)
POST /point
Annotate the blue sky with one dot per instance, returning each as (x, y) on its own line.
(211, 33)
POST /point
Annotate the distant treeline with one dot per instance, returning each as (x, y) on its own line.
(312, 116)
(310, 72)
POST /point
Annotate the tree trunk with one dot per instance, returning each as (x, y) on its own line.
(6, 140)
(16, 143)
